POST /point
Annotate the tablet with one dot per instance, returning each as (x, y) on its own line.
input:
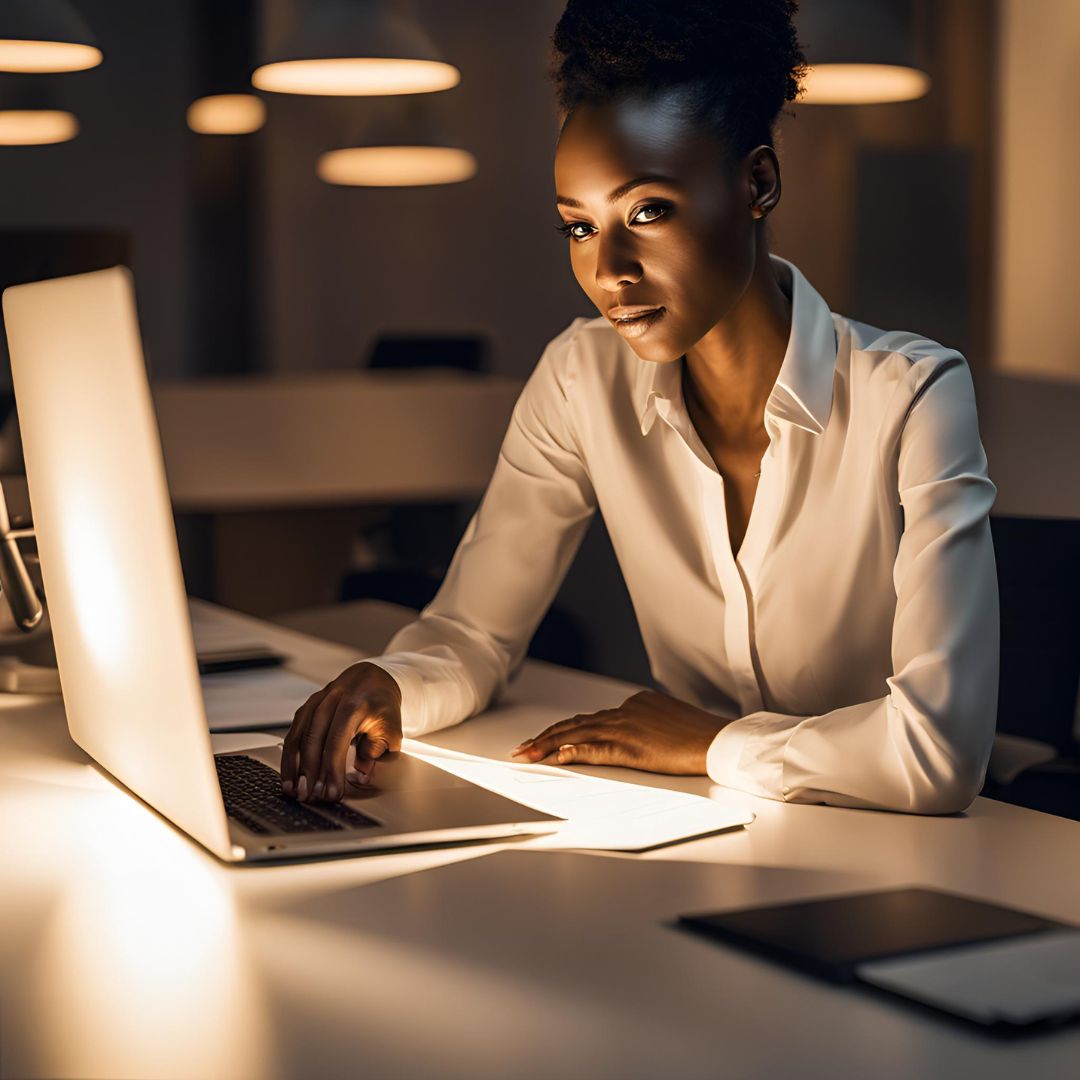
(830, 936)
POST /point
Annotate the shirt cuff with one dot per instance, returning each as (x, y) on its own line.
(748, 754)
(410, 683)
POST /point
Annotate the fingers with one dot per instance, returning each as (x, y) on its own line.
(544, 746)
(314, 755)
(527, 749)
(290, 750)
(600, 752)
(330, 782)
(311, 747)
(377, 734)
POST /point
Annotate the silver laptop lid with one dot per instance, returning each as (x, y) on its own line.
(107, 543)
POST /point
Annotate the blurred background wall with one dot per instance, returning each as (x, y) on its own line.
(952, 216)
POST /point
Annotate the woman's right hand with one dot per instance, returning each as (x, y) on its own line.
(363, 704)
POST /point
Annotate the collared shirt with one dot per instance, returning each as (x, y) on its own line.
(854, 634)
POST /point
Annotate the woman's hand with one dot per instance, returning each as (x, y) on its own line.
(650, 731)
(362, 703)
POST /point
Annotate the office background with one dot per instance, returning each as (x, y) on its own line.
(247, 262)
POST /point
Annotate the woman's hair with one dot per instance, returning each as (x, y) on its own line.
(735, 62)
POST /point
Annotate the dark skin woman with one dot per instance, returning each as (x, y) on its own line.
(660, 213)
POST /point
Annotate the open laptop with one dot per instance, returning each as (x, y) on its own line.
(121, 624)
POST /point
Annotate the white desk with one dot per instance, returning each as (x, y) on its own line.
(129, 952)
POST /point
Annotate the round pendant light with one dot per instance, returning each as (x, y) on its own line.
(860, 52)
(31, 115)
(36, 127)
(355, 48)
(221, 58)
(395, 166)
(226, 114)
(405, 147)
(45, 36)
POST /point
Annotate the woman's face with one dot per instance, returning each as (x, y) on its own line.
(685, 245)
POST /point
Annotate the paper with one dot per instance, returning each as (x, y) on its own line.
(1025, 979)
(213, 633)
(604, 815)
(254, 700)
(229, 742)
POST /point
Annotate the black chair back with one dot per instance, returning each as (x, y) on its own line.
(1038, 568)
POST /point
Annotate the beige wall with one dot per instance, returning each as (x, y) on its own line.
(1036, 317)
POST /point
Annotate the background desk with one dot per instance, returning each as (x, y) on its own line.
(129, 952)
(284, 470)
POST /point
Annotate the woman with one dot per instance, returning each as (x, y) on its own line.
(798, 501)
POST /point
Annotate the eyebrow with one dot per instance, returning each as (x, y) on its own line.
(620, 191)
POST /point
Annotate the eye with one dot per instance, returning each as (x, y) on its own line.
(567, 227)
(650, 206)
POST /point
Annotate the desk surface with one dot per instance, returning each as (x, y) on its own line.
(129, 952)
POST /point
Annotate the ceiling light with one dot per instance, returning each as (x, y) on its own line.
(863, 84)
(860, 52)
(45, 36)
(355, 48)
(403, 146)
(395, 166)
(36, 127)
(226, 114)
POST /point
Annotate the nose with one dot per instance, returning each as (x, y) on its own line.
(616, 264)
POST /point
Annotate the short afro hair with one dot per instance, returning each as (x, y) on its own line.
(736, 62)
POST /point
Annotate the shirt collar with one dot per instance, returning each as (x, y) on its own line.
(802, 394)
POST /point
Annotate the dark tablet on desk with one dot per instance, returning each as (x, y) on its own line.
(830, 937)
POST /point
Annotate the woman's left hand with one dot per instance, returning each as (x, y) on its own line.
(650, 731)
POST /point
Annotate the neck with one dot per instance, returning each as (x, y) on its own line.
(730, 372)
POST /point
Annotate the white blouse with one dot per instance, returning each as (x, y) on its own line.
(855, 632)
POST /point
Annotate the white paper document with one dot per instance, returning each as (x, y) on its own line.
(257, 699)
(603, 815)
(214, 633)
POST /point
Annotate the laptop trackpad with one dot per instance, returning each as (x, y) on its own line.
(395, 771)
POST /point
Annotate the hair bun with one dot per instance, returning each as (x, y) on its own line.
(738, 51)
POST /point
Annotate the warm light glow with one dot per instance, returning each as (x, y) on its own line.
(36, 127)
(391, 166)
(138, 946)
(47, 56)
(356, 76)
(226, 114)
(863, 84)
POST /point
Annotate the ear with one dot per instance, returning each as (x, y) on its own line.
(763, 174)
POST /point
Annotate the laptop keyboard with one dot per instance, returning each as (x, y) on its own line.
(253, 797)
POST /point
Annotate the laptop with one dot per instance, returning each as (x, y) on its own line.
(120, 618)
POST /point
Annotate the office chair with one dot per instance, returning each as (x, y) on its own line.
(1038, 569)
(401, 351)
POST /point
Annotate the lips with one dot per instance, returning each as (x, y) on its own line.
(621, 313)
(639, 324)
